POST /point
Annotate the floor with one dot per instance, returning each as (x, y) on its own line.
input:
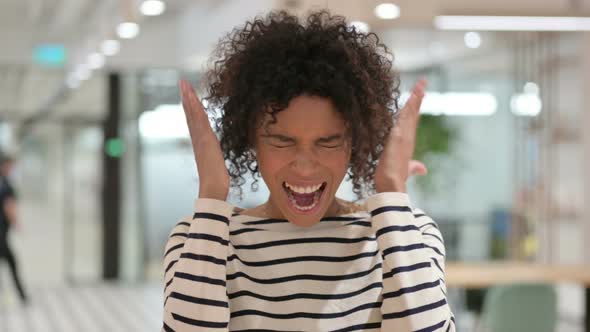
(104, 307)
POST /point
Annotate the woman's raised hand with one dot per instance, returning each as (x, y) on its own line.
(395, 165)
(213, 175)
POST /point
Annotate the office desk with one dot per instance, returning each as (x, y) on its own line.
(482, 275)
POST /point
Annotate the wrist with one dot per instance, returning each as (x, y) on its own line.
(391, 186)
(213, 194)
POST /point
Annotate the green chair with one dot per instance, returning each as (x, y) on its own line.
(520, 308)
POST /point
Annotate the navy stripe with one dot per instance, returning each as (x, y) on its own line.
(178, 234)
(429, 224)
(309, 296)
(409, 312)
(208, 237)
(245, 230)
(180, 245)
(202, 279)
(280, 221)
(407, 268)
(360, 327)
(411, 289)
(183, 223)
(211, 216)
(167, 328)
(435, 249)
(409, 247)
(205, 258)
(312, 315)
(266, 222)
(168, 283)
(263, 330)
(304, 276)
(438, 266)
(201, 323)
(304, 259)
(419, 215)
(396, 228)
(441, 289)
(341, 218)
(199, 300)
(170, 265)
(390, 209)
(302, 241)
(434, 236)
(433, 327)
(452, 322)
(360, 223)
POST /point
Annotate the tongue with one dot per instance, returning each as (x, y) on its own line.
(303, 199)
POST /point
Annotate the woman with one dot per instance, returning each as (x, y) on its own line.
(304, 104)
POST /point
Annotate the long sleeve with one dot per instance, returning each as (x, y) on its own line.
(195, 296)
(414, 292)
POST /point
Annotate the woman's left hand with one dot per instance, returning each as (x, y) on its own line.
(395, 165)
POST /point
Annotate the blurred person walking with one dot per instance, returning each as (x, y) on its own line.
(8, 220)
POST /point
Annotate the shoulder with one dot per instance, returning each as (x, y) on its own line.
(181, 226)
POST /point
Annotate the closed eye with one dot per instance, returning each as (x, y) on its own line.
(281, 146)
(330, 146)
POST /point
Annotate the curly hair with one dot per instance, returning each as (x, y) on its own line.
(263, 65)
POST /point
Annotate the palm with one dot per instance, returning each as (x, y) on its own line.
(395, 165)
(213, 175)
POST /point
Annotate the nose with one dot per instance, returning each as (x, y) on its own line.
(305, 163)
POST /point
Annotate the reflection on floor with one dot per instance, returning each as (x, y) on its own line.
(104, 307)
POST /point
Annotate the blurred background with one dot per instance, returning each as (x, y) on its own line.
(89, 110)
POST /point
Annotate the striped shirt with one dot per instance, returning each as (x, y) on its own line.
(376, 270)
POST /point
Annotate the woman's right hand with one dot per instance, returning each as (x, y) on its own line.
(213, 175)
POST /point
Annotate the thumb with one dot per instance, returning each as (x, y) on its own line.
(416, 167)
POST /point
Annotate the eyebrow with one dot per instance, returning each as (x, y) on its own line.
(284, 138)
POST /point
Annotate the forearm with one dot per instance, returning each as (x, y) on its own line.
(195, 270)
(413, 268)
(11, 211)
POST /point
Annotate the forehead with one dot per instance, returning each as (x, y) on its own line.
(306, 116)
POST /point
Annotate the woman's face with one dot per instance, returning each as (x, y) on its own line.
(303, 158)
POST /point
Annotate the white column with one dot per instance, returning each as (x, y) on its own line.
(585, 89)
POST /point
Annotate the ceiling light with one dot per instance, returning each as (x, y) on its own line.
(456, 103)
(72, 81)
(512, 23)
(83, 72)
(360, 26)
(387, 11)
(152, 7)
(472, 39)
(96, 60)
(531, 88)
(128, 30)
(110, 47)
(526, 104)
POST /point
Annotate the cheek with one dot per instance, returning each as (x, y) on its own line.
(337, 162)
(270, 163)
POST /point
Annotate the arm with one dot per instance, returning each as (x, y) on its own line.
(195, 296)
(11, 211)
(414, 292)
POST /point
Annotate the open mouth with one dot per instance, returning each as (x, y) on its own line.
(304, 199)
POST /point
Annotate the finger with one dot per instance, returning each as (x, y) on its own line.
(196, 117)
(417, 168)
(415, 101)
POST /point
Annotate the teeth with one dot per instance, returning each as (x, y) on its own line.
(316, 200)
(303, 190)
